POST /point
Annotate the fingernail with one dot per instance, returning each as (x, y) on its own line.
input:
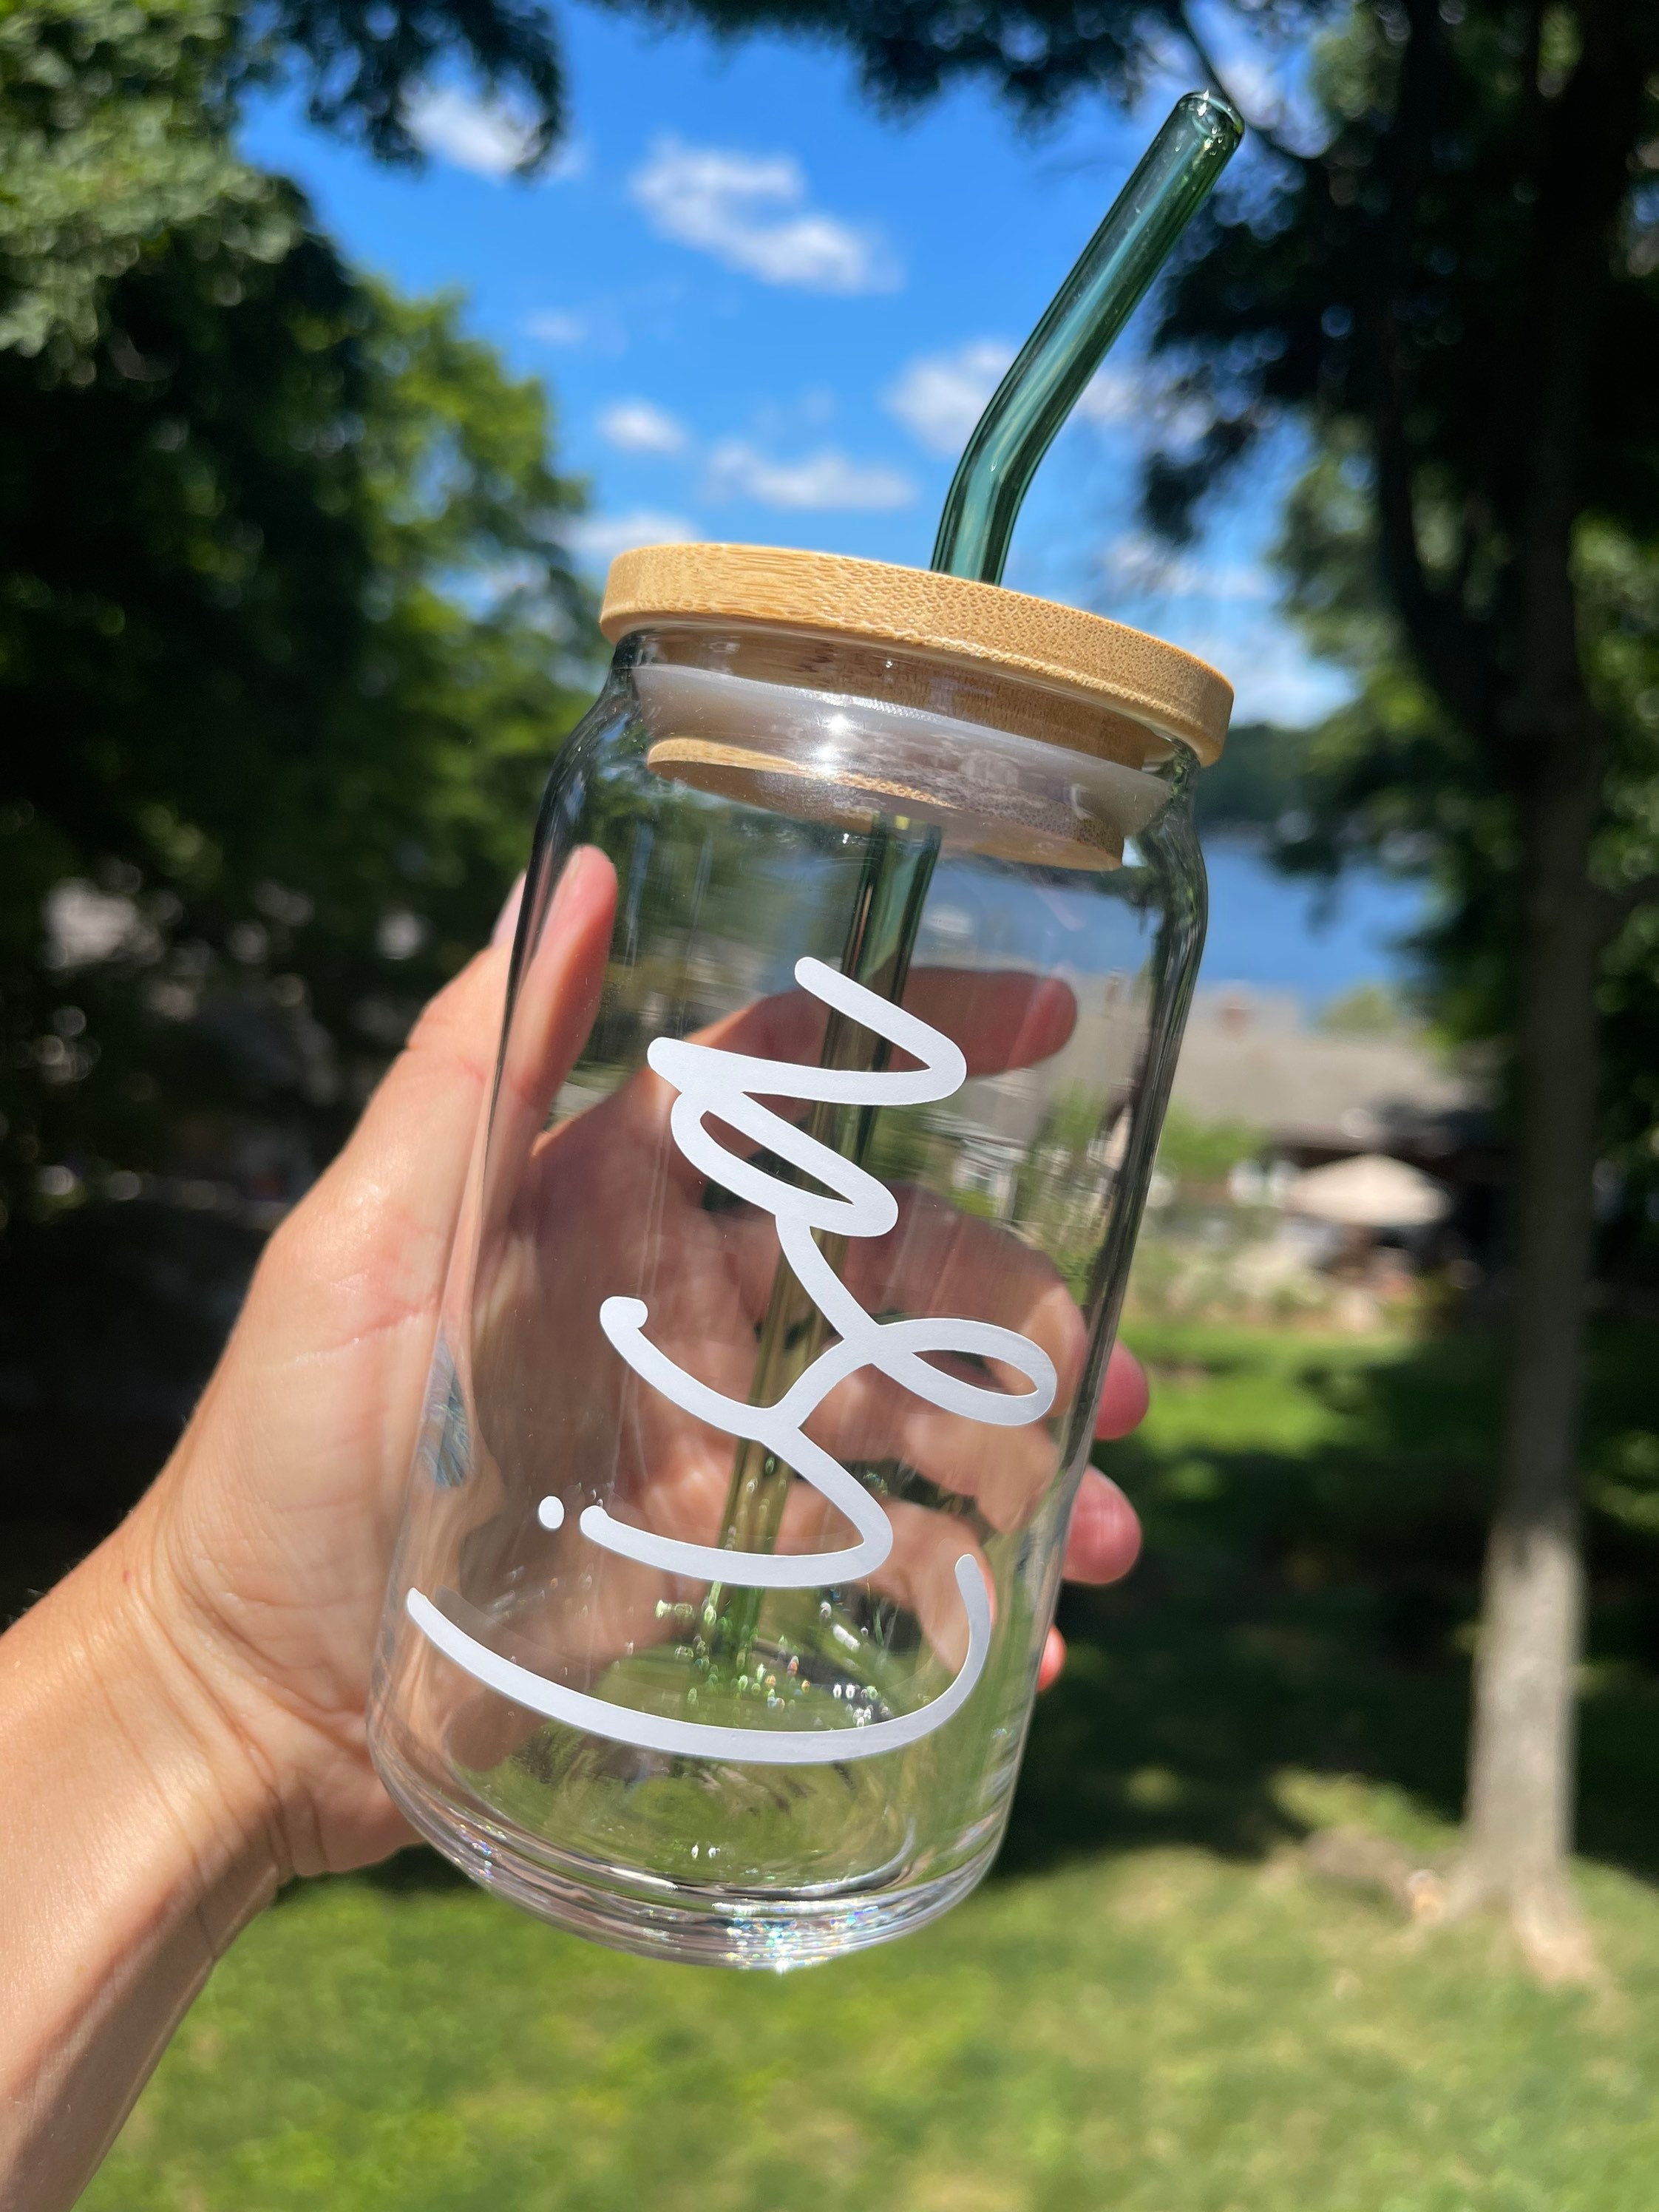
(507, 920)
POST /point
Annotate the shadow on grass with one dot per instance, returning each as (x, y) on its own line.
(417, 1872)
(1314, 1516)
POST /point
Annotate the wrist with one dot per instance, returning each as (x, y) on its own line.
(136, 1841)
(255, 1673)
(177, 1712)
(94, 1689)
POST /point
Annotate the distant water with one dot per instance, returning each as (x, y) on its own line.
(1276, 932)
(1281, 933)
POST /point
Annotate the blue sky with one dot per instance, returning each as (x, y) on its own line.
(766, 312)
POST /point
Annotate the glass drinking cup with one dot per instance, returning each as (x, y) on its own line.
(857, 939)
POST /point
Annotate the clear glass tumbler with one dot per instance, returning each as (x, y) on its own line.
(858, 936)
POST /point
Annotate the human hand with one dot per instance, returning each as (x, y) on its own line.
(262, 1554)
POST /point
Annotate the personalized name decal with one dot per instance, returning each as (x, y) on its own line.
(728, 1086)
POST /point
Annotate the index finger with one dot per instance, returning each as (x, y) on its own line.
(556, 997)
(998, 1017)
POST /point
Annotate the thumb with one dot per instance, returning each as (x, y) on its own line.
(556, 998)
(365, 1248)
(371, 1241)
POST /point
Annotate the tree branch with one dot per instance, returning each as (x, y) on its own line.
(1257, 125)
(1455, 649)
(1591, 131)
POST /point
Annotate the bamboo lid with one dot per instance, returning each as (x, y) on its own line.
(1122, 671)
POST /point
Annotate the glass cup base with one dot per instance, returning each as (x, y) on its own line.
(698, 1925)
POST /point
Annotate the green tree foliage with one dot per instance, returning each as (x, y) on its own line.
(1393, 777)
(115, 121)
(362, 60)
(288, 638)
(102, 109)
(1257, 783)
(1039, 53)
(1365, 1010)
(1194, 1150)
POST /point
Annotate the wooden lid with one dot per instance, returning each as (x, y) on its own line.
(1123, 670)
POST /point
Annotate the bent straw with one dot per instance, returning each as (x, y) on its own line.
(1102, 290)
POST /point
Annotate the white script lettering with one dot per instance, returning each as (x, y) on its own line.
(729, 1086)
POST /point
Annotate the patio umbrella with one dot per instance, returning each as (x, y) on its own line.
(1370, 1191)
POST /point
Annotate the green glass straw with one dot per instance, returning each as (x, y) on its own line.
(981, 508)
(1106, 286)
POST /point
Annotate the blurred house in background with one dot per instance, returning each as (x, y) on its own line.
(1319, 1165)
(1320, 1092)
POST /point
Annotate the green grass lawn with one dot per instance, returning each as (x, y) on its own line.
(1153, 2004)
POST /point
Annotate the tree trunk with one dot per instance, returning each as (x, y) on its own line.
(1519, 1820)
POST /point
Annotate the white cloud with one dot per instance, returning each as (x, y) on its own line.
(597, 538)
(1114, 396)
(1275, 679)
(597, 327)
(1223, 611)
(940, 398)
(489, 137)
(751, 212)
(555, 327)
(636, 426)
(824, 479)
(1141, 566)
